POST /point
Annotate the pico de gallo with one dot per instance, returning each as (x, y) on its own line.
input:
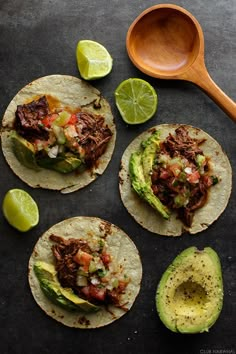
(181, 175)
(89, 270)
(60, 134)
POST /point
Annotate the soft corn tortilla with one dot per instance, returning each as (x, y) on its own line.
(67, 91)
(120, 247)
(218, 195)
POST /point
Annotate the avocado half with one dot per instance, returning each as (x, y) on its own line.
(189, 296)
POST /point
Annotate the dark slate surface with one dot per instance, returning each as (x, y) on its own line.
(38, 38)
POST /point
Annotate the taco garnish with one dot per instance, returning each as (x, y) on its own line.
(58, 136)
(181, 176)
(58, 133)
(180, 171)
(85, 268)
(89, 271)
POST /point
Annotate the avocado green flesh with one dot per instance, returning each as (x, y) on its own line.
(52, 292)
(60, 296)
(24, 151)
(189, 296)
(151, 145)
(140, 167)
(60, 164)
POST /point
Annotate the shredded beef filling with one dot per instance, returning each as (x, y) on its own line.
(91, 132)
(67, 272)
(28, 119)
(93, 136)
(181, 145)
(64, 251)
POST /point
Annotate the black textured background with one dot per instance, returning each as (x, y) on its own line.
(39, 37)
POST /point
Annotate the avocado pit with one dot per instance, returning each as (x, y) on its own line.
(189, 296)
(190, 299)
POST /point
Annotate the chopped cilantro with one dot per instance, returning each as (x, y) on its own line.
(101, 245)
(215, 180)
(101, 273)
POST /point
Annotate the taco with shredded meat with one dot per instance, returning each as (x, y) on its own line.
(58, 133)
(85, 272)
(174, 179)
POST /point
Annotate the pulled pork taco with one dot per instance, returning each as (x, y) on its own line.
(58, 133)
(174, 179)
(85, 272)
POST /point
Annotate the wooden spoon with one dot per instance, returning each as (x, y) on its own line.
(166, 41)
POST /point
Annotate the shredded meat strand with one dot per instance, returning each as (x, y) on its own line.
(93, 136)
(28, 119)
(93, 133)
(64, 251)
(180, 145)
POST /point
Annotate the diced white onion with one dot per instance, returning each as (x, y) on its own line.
(53, 152)
(95, 281)
(188, 170)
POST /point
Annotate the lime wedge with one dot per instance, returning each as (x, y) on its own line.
(20, 210)
(136, 100)
(93, 60)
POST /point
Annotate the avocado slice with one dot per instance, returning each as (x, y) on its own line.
(24, 151)
(141, 187)
(150, 146)
(60, 164)
(64, 297)
(52, 292)
(189, 295)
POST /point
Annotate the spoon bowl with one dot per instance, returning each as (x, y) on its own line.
(166, 41)
(163, 41)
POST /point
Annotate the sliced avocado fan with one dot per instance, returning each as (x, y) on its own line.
(62, 164)
(150, 147)
(189, 296)
(24, 151)
(63, 297)
(26, 155)
(140, 168)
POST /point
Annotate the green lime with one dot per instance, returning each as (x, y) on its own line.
(136, 100)
(93, 60)
(20, 210)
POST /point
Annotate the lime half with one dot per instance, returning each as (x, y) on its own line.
(136, 100)
(20, 210)
(93, 60)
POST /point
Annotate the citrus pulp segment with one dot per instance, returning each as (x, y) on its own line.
(136, 100)
(20, 210)
(93, 60)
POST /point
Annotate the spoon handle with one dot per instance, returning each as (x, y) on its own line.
(205, 82)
